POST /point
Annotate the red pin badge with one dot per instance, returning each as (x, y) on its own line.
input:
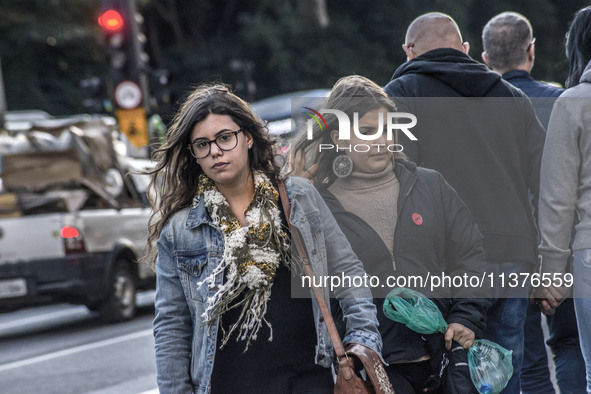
(418, 219)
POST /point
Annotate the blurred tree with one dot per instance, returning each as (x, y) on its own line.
(262, 47)
(47, 47)
(362, 38)
(194, 41)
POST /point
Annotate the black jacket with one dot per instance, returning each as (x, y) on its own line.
(445, 240)
(489, 149)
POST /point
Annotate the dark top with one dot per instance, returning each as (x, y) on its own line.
(542, 95)
(488, 150)
(283, 365)
(446, 72)
(446, 239)
(532, 88)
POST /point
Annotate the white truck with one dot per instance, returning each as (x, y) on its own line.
(73, 218)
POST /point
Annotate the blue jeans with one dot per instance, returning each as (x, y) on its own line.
(564, 343)
(582, 294)
(535, 374)
(506, 319)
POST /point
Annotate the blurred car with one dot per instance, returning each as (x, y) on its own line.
(285, 113)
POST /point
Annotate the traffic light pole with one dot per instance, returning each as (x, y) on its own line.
(2, 97)
(3, 106)
(128, 71)
(138, 65)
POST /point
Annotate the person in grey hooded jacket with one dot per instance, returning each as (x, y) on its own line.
(564, 186)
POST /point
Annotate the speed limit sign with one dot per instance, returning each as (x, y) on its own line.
(128, 95)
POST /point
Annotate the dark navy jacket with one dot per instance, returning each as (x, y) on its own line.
(542, 95)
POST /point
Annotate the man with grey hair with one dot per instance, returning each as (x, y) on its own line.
(508, 42)
(509, 49)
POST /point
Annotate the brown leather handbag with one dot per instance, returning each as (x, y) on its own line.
(349, 379)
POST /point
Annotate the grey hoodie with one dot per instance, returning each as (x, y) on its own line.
(565, 178)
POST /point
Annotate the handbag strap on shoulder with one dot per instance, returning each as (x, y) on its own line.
(309, 271)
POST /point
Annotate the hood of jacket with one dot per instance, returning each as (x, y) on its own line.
(586, 77)
(453, 68)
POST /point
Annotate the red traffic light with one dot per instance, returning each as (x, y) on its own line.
(111, 21)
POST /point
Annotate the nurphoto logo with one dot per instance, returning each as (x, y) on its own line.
(344, 129)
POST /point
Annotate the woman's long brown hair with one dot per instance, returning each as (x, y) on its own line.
(175, 177)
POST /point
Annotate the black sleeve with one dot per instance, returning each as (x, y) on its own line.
(535, 138)
(464, 254)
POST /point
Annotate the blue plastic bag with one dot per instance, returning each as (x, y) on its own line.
(490, 366)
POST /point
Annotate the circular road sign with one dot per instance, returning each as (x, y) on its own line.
(128, 95)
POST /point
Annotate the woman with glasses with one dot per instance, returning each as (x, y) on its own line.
(226, 321)
(402, 221)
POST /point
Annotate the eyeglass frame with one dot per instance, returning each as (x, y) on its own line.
(209, 142)
(533, 41)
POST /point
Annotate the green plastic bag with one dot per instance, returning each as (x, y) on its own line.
(489, 363)
(414, 310)
(490, 366)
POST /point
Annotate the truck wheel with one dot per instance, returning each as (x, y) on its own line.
(120, 304)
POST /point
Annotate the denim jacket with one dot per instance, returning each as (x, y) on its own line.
(189, 249)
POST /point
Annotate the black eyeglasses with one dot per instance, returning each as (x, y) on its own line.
(225, 141)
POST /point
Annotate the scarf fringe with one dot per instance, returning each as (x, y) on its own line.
(250, 260)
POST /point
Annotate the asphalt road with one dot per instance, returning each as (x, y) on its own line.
(67, 349)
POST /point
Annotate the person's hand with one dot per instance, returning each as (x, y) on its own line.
(548, 306)
(459, 333)
(299, 166)
(549, 298)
